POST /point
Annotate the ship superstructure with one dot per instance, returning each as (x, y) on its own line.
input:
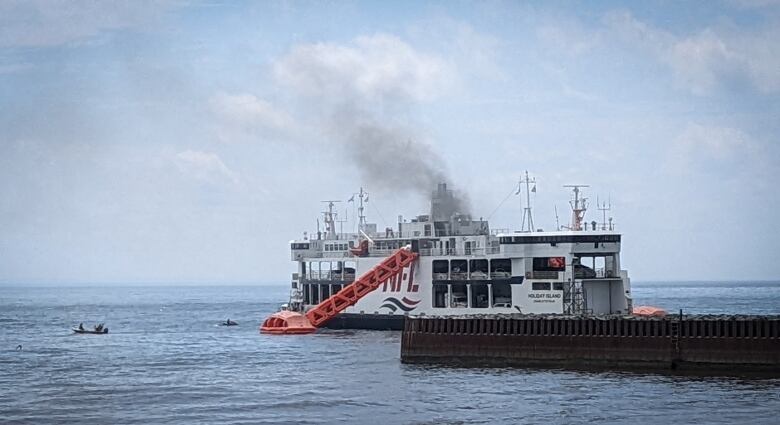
(463, 267)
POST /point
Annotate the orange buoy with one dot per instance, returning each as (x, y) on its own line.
(287, 322)
(649, 311)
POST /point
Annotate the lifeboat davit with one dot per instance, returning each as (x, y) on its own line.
(287, 322)
(649, 311)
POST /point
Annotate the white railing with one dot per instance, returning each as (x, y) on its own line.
(335, 254)
(476, 275)
(329, 275)
(476, 252)
(375, 252)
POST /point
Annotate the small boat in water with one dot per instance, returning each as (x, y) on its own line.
(99, 329)
(228, 322)
(90, 331)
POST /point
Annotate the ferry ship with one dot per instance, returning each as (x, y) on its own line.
(463, 266)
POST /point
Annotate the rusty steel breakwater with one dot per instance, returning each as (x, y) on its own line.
(724, 343)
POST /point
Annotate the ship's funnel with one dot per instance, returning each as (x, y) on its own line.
(444, 204)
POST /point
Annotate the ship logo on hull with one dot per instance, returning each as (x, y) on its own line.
(393, 304)
(397, 283)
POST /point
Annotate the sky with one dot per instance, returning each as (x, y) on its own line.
(187, 141)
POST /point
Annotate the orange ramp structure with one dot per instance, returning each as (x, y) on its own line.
(649, 311)
(290, 322)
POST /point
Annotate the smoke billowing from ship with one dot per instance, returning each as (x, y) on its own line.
(389, 158)
(364, 91)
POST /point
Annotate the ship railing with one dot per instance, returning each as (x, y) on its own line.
(375, 252)
(604, 273)
(601, 273)
(476, 275)
(329, 275)
(476, 252)
(335, 254)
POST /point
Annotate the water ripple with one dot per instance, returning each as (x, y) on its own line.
(166, 361)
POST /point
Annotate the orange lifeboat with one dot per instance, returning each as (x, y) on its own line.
(649, 311)
(287, 322)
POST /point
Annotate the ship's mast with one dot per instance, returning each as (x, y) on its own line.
(578, 206)
(361, 218)
(527, 213)
(330, 220)
(604, 207)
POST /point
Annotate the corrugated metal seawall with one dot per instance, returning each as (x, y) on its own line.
(749, 343)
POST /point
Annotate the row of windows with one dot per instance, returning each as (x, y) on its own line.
(314, 294)
(299, 246)
(331, 247)
(559, 239)
(462, 295)
(546, 286)
(499, 267)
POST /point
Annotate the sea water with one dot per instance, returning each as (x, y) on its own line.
(166, 360)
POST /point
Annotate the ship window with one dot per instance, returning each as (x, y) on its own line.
(325, 292)
(558, 286)
(427, 230)
(440, 266)
(300, 246)
(440, 296)
(502, 295)
(500, 268)
(550, 264)
(541, 286)
(459, 296)
(479, 295)
(479, 269)
(306, 297)
(315, 294)
(458, 269)
(441, 269)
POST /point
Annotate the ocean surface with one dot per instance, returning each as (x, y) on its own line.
(165, 360)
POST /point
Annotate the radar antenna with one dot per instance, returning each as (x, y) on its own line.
(527, 213)
(578, 206)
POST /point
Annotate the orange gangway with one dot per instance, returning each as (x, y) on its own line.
(290, 322)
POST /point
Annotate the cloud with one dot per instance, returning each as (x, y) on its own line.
(379, 67)
(246, 115)
(474, 54)
(711, 57)
(711, 149)
(204, 166)
(711, 141)
(36, 23)
(569, 36)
